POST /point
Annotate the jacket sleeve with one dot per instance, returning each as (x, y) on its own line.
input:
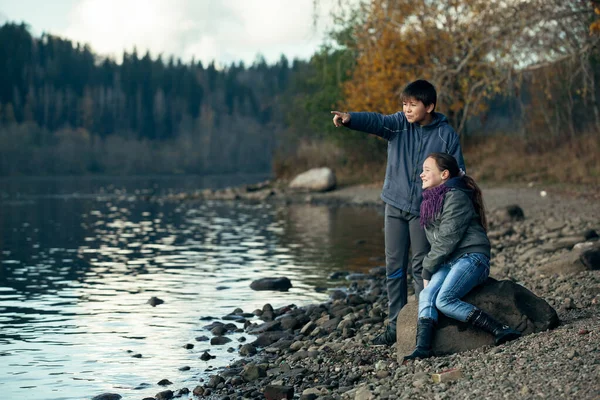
(385, 126)
(456, 151)
(455, 219)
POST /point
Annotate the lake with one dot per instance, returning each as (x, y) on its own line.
(80, 258)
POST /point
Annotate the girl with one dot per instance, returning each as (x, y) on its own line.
(453, 216)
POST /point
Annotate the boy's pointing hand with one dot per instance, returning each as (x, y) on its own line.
(340, 118)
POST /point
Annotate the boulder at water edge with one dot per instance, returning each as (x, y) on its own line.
(314, 180)
(507, 301)
(281, 284)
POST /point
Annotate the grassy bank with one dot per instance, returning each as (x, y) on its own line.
(491, 160)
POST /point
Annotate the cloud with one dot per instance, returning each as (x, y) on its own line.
(225, 31)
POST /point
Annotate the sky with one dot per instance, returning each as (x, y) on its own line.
(225, 31)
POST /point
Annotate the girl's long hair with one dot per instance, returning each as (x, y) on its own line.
(447, 162)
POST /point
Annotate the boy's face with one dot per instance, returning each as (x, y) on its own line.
(416, 111)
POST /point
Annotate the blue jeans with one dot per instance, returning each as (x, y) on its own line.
(451, 282)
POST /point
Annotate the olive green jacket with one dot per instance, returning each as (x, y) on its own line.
(455, 232)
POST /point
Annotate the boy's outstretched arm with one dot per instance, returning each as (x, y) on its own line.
(385, 126)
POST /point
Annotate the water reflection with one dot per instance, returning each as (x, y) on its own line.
(76, 274)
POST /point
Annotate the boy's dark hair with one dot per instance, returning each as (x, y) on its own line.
(447, 162)
(421, 90)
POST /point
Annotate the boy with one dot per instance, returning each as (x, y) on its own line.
(412, 134)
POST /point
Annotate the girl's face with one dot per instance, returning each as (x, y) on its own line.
(431, 175)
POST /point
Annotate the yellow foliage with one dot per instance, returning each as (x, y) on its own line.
(451, 43)
(595, 27)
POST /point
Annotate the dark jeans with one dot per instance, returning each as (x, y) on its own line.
(402, 232)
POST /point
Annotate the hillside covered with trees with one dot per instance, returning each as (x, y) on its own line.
(522, 76)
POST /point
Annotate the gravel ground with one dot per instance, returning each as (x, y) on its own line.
(323, 352)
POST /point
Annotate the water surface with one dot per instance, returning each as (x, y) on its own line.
(80, 257)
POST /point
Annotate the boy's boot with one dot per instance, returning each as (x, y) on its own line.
(387, 338)
(425, 330)
(502, 333)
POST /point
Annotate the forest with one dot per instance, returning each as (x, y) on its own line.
(525, 73)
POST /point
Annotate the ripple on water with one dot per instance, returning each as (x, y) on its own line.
(74, 318)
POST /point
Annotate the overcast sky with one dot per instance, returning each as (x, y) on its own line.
(220, 30)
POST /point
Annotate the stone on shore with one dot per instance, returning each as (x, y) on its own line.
(107, 396)
(281, 284)
(164, 395)
(278, 392)
(314, 180)
(509, 213)
(506, 301)
(578, 260)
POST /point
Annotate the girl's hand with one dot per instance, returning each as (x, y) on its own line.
(340, 118)
(425, 283)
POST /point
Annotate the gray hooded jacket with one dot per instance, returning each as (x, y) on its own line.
(408, 147)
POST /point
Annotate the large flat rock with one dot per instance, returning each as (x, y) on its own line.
(507, 301)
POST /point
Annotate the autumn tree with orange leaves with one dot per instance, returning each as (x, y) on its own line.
(471, 50)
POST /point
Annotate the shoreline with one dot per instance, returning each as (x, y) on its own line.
(322, 351)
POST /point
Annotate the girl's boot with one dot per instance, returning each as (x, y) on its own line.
(502, 333)
(425, 330)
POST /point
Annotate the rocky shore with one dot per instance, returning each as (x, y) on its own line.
(545, 242)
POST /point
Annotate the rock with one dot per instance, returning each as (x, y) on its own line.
(314, 180)
(266, 327)
(357, 277)
(281, 284)
(562, 243)
(188, 346)
(337, 294)
(308, 328)
(364, 393)
(591, 258)
(289, 322)
(164, 382)
(554, 225)
(330, 325)
(337, 275)
(507, 301)
(268, 338)
(165, 395)
(215, 381)
(219, 340)
(107, 396)
(253, 372)
(202, 339)
(382, 374)
(510, 213)
(154, 301)
(234, 317)
(576, 261)
(297, 345)
(277, 392)
(206, 356)
(198, 391)
(218, 330)
(447, 376)
(185, 368)
(497, 234)
(247, 350)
